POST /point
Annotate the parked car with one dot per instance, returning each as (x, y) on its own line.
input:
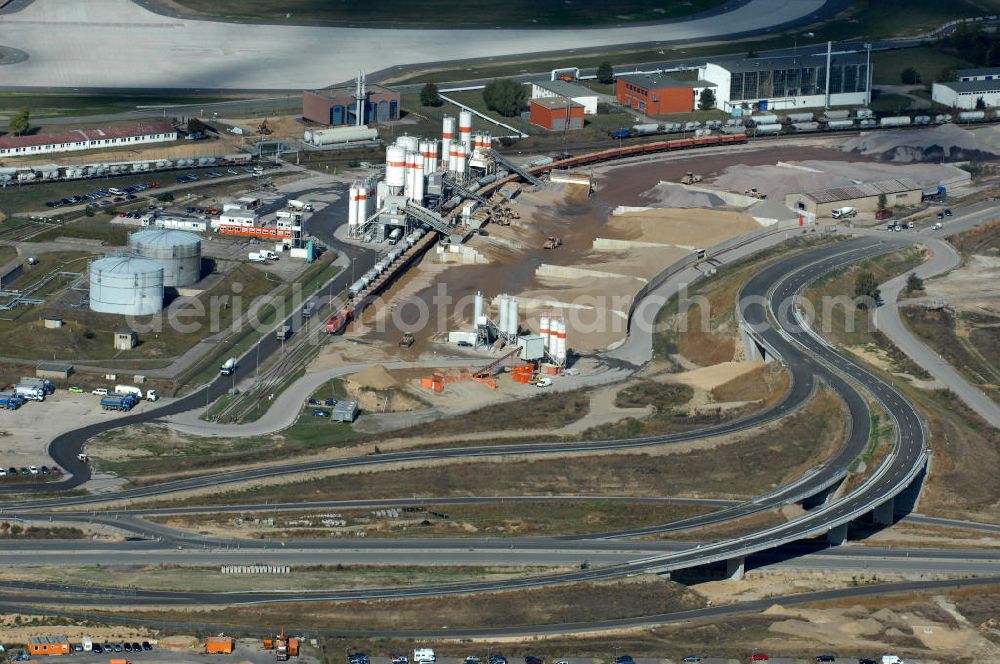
(940, 215)
(136, 647)
(56, 471)
(146, 645)
(118, 647)
(497, 658)
(531, 659)
(693, 658)
(127, 647)
(100, 391)
(624, 659)
(938, 226)
(947, 213)
(45, 470)
(33, 469)
(758, 657)
(3, 472)
(97, 648)
(233, 171)
(826, 658)
(75, 390)
(319, 412)
(866, 660)
(399, 659)
(465, 344)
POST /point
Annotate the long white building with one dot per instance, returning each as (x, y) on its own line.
(966, 93)
(86, 139)
(788, 82)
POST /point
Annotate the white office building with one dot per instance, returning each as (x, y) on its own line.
(966, 93)
(789, 82)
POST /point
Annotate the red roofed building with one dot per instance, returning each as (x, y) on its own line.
(86, 139)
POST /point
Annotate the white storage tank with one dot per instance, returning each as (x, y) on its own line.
(179, 252)
(895, 121)
(765, 119)
(768, 129)
(126, 285)
(840, 125)
(972, 116)
(343, 135)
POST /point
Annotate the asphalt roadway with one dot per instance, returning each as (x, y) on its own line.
(768, 293)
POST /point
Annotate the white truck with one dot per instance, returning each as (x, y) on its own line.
(30, 392)
(262, 256)
(395, 235)
(228, 367)
(424, 656)
(150, 395)
(891, 659)
(844, 212)
(300, 205)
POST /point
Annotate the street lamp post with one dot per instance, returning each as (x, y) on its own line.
(868, 75)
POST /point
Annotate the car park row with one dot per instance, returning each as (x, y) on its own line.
(105, 197)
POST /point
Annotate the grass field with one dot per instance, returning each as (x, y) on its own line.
(514, 13)
(544, 518)
(739, 469)
(45, 105)
(887, 66)
(208, 579)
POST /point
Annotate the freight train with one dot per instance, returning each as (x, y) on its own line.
(771, 124)
(55, 173)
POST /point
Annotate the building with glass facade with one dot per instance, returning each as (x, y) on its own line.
(790, 82)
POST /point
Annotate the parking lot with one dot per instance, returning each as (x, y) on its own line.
(104, 197)
(26, 432)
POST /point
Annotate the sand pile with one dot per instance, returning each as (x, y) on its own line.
(698, 228)
(949, 142)
(376, 378)
(668, 194)
(709, 378)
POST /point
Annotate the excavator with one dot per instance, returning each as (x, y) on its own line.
(690, 178)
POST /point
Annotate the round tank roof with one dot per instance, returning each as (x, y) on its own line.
(164, 237)
(126, 265)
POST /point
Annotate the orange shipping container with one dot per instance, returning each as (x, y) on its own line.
(49, 645)
(293, 647)
(119, 661)
(219, 645)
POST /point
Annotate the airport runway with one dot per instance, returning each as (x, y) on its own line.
(88, 43)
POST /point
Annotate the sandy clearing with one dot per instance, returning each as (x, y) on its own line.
(709, 378)
(689, 227)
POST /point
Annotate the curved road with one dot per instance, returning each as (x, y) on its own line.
(769, 294)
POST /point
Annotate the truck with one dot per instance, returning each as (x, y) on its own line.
(43, 383)
(309, 309)
(283, 332)
(938, 193)
(128, 389)
(300, 205)
(622, 133)
(123, 402)
(395, 235)
(228, 367)
(30, 392)
(424, 656)
(262, 256)
(891, 659)
(119, 661)
(844, 212)
(11, 401)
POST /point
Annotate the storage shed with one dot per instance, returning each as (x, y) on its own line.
(126, 339)
(864, 197)
(556, 113)
(56, 370)
(48, 645)
(219, 645)
(344, 411)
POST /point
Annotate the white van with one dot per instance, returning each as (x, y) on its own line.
(88, 644)
(424, 656)
(100, 391)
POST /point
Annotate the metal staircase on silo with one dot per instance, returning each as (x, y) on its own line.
(514, 168)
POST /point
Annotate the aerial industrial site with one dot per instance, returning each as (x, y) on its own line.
(470, 334)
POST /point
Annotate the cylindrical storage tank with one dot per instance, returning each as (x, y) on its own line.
(447, 136)
(550, 347)
(867, 123)
(417, 191)
(648, 128)
(837, 115)
(395, 167)
(768, 118)
(460, 158)
(922, 120)
(972, 116)
(465, 129)
(408, 143)
(408, 174)
(543, 329)
(800, 117)
(478, 317)
(512, 318)
(362, 204)
(482, 142)
(126, 285)
(429, 151)
(895, 121)
(179, 252)
(352, 207)
(502, 312)
(768, 129)
(380, 191)
(839, 125)
(561, 342)
(805, 126)
(343, 135)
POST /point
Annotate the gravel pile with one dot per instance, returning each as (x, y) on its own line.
(947, 142)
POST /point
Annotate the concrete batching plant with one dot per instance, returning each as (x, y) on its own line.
(126, 285)
(179, 253)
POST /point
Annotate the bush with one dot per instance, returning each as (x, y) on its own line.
(910, 76)
(505, 96)
(605, 74)
(165, 197)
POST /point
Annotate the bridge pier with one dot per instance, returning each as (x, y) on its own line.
(821, 498)
(884, 514)
(735, 569)
(837, 536)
